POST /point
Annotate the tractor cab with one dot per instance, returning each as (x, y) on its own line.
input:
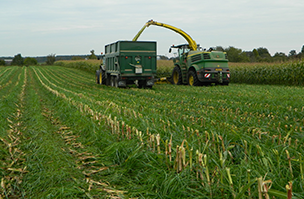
(182, 53)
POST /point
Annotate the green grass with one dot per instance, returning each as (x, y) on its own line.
(238, 127)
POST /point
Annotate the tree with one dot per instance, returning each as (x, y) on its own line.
(92, 56)
(279, 57)
(292, 53)
(30, 61)
(219, 48)
(50, 59)
(2, 62)
(236, 55)
(17, 60)
(263, 52)
(264, 55)
(302, 50)
(255, 53)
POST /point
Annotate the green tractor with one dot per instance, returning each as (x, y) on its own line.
(194, 66)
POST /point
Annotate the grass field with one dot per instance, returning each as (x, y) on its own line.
(63, 136)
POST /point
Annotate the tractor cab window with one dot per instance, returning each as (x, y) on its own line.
(183, 50)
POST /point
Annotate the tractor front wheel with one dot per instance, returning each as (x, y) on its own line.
(177, 76)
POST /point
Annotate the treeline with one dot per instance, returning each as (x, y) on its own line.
(234, 55)
(18, 60)
(260, 55)
(256, 55)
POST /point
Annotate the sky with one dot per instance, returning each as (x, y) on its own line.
(75, 27)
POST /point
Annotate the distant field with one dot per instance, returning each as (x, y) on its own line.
(63, 136)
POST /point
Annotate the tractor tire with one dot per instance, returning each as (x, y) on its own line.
(225, 83)
(177, 76)
(192, 79)
(97, 76)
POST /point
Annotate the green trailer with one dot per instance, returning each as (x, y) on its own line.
(128, 62)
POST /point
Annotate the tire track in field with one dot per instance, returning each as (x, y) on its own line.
(14, 166)
(234, 116)
(88, 163)
(9, 78)
(132, 113)
(106, 103)
(115, 124)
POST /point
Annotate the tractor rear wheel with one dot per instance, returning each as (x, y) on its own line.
(177, 76)
(192, 79)
(102, 77)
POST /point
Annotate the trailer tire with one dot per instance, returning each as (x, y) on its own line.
(177, 76)
(102, 77)
(97, 76)
(141, 83)
(114, 81)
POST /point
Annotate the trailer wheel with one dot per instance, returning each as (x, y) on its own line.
(114, 81)
(192, 79)
(141, 83)
(97, 76)
(108, 80)
(177, 76)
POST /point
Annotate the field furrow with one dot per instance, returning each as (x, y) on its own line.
(13, 168)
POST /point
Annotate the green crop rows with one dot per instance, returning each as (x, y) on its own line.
(63, 136)
(290, 73)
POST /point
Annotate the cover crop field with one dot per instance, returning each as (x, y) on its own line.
(64, 136)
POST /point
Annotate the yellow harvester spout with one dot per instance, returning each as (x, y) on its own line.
(191, 42)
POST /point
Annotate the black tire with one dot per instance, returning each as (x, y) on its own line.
(97, 76)
(177, 76)
(192, 79)
(141, 83)
(114, 81)
(108, 80)
(102, 77)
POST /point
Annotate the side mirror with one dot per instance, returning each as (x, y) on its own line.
(170, 49)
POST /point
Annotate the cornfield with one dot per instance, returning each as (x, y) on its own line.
(63, 136)
(290, 73)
